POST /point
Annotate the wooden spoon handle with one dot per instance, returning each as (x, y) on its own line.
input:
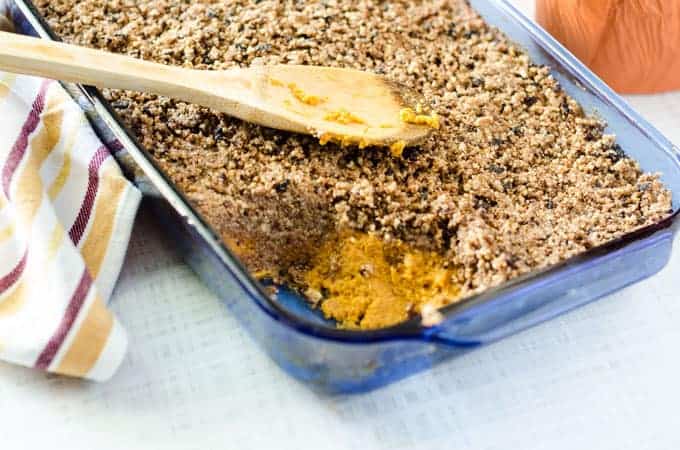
(49, 59)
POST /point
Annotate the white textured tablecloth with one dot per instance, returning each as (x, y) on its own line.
(603, 377)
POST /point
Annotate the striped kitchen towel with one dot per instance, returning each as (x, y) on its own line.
(66, 214)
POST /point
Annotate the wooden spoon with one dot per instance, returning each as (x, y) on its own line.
(345, 105)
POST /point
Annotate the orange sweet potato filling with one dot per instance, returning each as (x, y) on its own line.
(365, 282)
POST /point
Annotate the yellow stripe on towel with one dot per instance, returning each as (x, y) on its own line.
(65, 170)
(112, 187)
(7, 232)
(11, 302)
(29, 191)
(6, 84)
(89, 341)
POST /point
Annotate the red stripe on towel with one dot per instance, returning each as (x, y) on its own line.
(21, 144)
(80, 224)
(72, 310)
(8, 280)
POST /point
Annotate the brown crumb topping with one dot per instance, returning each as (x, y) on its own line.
(517, 178)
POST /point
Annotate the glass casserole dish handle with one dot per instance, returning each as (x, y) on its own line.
(340, 360)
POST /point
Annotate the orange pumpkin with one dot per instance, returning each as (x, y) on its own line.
(633, 45)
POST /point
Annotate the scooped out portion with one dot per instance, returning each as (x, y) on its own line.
(362, 281)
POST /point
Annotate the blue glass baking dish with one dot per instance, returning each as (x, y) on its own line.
(333, 360)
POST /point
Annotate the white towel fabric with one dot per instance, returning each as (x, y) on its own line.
(66, 214)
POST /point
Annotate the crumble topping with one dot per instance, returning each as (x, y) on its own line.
(516, 179)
